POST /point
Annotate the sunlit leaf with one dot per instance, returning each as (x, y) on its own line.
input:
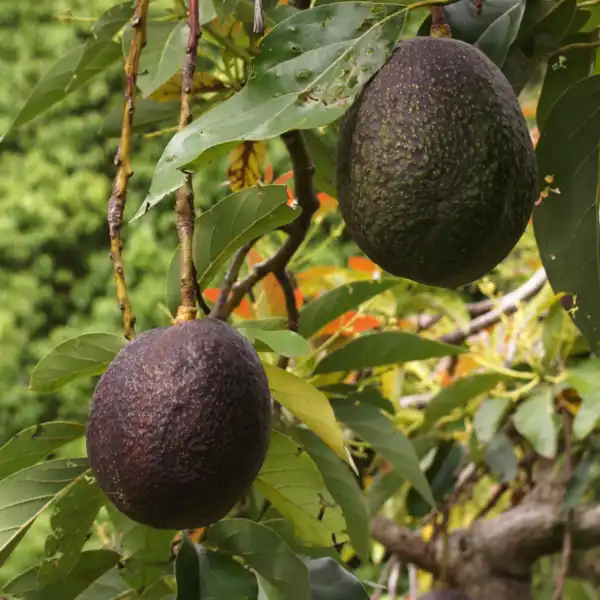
(25, 494)
(291, 481)
(534, 420)
(284, 342)
(36, 443)
(307, 404)
(265, 552)
(585, 378)
(305, 76)
(566, 221)
(235, 220)
(385, 348)
(378, 430)
(81, 356)
(458, 395)
(342, 485)
(317, 313)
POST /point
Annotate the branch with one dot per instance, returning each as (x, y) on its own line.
(116, 203)
(307, 199)
(507, 305)
(287, 287)
(406, 544)
(184, 198)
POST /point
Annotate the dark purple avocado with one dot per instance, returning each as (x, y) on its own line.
(179, 424)
(437, 175)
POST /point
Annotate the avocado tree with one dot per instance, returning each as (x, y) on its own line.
(422, 438)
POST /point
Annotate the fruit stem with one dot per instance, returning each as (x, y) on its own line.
(116, 203)
(184, 197)
(439, 27)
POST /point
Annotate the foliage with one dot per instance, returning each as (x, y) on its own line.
(431, 407)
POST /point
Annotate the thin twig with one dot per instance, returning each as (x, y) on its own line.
(575, 46)
(184, 198)
(506, 306)
(493, 501)
(287, 287)
(307, 199)
(116, 204)
(568, 533)
(231, 276)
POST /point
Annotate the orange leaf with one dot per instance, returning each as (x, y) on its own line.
(268, 176)
(327, 203)
(360, 263)
(243, 310)
(245, 165)
(285, 177)
(363, 323)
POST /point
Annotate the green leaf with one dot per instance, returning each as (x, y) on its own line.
(330, 581)
(109, 586)
(284, 342)
(343, 487)
(147, 550)
(163, 54)
(25, 494)
(440, 475)
(488, 418)
(322, 150)
(534, 420)
(306, 502)
(566, 223)
(35, 443)
(52, 87)
(382, 488)
(378, 430)
(385, 348)
(81, 356)
(90, 566)
(307, 404)
(310, 68)
(235, 220)
(501, 457)
(564, 71)
(324, 309)
(103, 32)
(205, 575)
(71, 524)
(585, 378)
(458, 395)
(265, 552)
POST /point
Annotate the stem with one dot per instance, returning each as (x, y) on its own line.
(184, 198)
(116, 203)
(287, 287)
(576, 46)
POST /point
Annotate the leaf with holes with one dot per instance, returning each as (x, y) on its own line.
(566, 221)
(385, 348)
(36, 443)
(291, 481)
(308, 404)
(326, 308)
(235, 220)
(81, 356)
(25, 494)
(71, 524)
(378, 430)
(310, 68)
(342, 485)
(265, 552)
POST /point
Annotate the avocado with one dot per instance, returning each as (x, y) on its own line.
(179, 424)
(436, 174)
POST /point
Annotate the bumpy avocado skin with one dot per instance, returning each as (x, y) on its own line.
(179, 424)
(437, 175)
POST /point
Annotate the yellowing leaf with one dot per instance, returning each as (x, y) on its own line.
(245, 165)
(170, 91)
(308, 404)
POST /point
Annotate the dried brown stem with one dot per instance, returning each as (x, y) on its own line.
(184, 197)
(307, 199)
(117, 201)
